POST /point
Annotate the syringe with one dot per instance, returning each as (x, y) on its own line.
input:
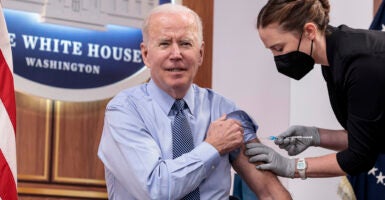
(291, 137)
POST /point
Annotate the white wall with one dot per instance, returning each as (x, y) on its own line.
(242, 68)
(244, 71)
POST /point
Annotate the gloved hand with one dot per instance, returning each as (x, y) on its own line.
(294, 146)
(273, 161)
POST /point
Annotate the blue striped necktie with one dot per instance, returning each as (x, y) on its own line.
(182, 140)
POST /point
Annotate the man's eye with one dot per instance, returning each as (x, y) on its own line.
(163, 44)
(186, 44)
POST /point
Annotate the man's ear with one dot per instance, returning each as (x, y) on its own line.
(201, 53)
(144, 51)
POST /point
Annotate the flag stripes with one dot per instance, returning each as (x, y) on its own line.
(8, 170)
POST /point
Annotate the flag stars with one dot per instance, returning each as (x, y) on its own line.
(373, 171)
(380, 178)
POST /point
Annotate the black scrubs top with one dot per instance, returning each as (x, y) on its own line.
(356, 85)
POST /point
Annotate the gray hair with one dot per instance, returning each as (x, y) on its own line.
(172, 8)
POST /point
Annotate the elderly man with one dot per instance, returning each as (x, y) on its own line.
(169, 138)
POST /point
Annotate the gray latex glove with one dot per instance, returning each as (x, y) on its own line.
(294, 146)
(271, 159)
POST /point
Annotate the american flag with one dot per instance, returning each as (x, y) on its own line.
(8, 170)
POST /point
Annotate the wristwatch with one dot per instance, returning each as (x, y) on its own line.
(301, 167)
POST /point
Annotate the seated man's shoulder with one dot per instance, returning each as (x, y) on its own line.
(128, 96)
(207, 92)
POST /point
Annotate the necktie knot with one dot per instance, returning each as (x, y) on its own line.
(179, 105)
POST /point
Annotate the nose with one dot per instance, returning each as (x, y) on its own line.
(175, 51)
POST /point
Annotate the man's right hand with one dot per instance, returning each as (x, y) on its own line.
(225, 135)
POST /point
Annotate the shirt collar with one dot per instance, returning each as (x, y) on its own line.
(165, 101)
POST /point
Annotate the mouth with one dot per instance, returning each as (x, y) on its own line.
(176, 70)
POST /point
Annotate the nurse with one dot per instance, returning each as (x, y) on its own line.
(353, 66)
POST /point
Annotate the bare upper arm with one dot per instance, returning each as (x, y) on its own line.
(265, 184)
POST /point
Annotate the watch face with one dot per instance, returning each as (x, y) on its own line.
(301, 165)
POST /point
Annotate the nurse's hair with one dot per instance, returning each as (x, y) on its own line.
(292, 15)
(172, 8)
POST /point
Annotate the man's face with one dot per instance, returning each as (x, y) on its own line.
(173, 52)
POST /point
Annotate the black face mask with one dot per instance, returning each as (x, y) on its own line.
(295, 64)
